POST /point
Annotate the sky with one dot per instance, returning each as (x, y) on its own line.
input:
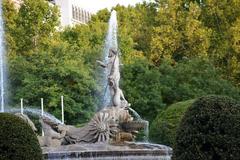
(95, 5)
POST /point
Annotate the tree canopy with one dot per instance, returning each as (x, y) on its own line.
(172, 50)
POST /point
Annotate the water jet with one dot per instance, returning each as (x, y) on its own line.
(3, 72)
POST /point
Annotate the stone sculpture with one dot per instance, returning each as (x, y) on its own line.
(110, 125)
(27, 120)
(52, 137)
(117, 97)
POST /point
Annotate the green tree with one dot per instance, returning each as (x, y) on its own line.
(235, 44)
(220, 17)
(9, 16)
(137, 22)
(50, 63)
(140, 83)
(51, 74)
(36, 22)
(190, 79)
(179, 32)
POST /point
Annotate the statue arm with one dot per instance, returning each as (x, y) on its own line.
(101, 64)
(121, 95)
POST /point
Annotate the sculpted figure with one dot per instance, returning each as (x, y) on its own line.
(51, 138)
(124, 136)
(117, 97)
(27, 120)
(108, 125)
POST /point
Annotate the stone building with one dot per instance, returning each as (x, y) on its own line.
(71, 12)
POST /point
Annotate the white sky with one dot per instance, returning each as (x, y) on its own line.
(95, 5)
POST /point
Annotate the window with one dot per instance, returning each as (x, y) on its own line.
(73, 12)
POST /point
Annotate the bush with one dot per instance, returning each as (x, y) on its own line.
(209, 130)
(163, 128)
(17, 140)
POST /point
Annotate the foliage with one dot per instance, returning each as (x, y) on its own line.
(145, 99)
(221, 16)
(193, 78)
(136, 23)
(171, 50)
(36, 22)
(164, 126)
(50, 75)
(149, 88)
(209, 130)
(179, 33)
(17, 139)
(9, 16)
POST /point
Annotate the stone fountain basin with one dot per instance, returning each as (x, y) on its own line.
(102, 151)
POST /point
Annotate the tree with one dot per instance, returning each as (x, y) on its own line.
(220, 17)
(140, 83)
(235, 45)
(179, 32)
(9, 16)
(49, 63)
(190, 79)
(50, 75)
(36, 21)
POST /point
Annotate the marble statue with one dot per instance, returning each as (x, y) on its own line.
(52, 137)
(112, 124)
(113, 68)
(27, 120)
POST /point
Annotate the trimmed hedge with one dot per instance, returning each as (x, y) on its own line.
(210, 130)
(163, 128)
(17, 139)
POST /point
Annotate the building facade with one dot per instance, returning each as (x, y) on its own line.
(71, 12)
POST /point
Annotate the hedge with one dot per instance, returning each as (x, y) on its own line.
(210, 130)
(163, 128)
(17, 139)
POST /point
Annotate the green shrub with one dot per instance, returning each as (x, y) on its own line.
(17, 140)
(210, 130)
(163, 128)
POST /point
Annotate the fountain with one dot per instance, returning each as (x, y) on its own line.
(111, 133)
(35, 112)
(2, 62)
(110, 42)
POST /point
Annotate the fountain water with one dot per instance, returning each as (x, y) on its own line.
(2, 61)
(37, 112)
(138, 118)
(110, 42)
